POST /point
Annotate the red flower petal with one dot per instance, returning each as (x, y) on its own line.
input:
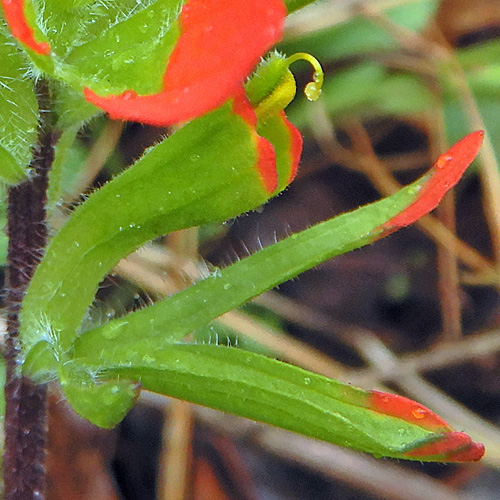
(221, 41)
(18, 24)
(287, 143)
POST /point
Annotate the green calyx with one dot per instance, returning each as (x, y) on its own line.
(272, 86)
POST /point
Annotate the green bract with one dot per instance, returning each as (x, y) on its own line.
(184, 181)
(52, 313)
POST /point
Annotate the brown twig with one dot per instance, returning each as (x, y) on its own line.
(99, 153)
(448, 276)
(327, 14)
(478, 346)
(285, 347)
(176, 454)
(447, 261)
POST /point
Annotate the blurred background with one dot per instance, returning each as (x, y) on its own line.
(416, 313)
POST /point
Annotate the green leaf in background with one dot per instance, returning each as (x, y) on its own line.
(457, 122)
(402, 94)
(18, 112)
(67, 153)
(68, 175)
(479, 56)
(294, 5)
(367, 89)
(485, 81)
(360, 35)
(481, 70)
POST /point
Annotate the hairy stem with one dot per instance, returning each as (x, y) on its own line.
(25, 415)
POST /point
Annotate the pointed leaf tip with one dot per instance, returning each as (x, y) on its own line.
(445, 173)
(451, 447)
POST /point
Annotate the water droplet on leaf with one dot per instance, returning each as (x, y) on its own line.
(419, 413)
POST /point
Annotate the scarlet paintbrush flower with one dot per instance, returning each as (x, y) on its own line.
(206, 67)
(218, 44)
(278, 157)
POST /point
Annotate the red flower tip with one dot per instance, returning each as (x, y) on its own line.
(221, 42)
(446, 172)
(19, 27)
(452, 447)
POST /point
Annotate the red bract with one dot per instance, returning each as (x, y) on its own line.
(274, 170)
(446, 172)
(221, 42)
(295, 149)
(18, 24)
(266, 163)
(406, 409)
(452, 446)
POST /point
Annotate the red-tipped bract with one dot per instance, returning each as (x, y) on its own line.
(19, 27)
(452, 446)
(221, 42)
(446, 172)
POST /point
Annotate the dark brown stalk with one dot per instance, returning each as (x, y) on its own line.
(25, 415)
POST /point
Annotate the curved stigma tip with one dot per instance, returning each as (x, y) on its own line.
(313, 89)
